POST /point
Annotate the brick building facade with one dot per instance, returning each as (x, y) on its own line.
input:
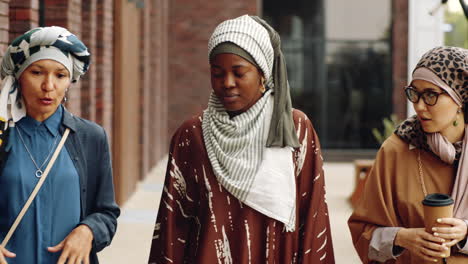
(149, 68)
(188, 63)
(144, 79)
(399, 56)
(4, 25)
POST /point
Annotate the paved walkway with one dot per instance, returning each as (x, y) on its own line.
(132, 241)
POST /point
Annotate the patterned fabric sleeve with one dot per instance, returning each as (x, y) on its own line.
(175, 214)
(314, 226)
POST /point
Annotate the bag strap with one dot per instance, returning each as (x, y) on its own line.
(36, 189)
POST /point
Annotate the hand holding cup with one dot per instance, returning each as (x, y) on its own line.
(454, 232)
(437, 207)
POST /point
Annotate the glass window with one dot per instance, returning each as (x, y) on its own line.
(339, 65)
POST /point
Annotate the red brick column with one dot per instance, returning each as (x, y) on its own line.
(127, 89)
(159, 139)
(4, 26)
(164, 91)
(66, 14)
(192, 22)
(24, 15)
(88, 81)
(145, 97)
(103, 60)
(400, 56)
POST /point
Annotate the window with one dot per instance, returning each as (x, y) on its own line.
(338, 55)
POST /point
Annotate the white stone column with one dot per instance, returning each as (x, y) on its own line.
(425, 32)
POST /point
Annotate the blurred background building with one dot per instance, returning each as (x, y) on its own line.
(348, 62)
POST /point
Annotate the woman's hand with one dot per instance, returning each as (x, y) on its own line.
(421, 243)
(75, 247)
(5, 253)
(453, 233)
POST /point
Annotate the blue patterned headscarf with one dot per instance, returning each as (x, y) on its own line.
(55, 43)
(25, 49)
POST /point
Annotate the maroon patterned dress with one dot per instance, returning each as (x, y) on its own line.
(199, 221)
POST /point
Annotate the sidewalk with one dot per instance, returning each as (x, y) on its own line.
(134, 233)
(339, 180)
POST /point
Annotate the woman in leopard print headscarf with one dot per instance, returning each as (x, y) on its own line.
(427, 154)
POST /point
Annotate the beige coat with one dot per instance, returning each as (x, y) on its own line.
(393, 194)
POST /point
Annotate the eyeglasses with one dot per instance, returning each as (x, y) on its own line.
(429, 97)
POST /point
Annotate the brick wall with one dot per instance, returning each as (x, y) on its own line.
(191, 24)
(103, 59)
(400, 55)
(145, 92)
(164, 90)
(88, 81)
(159, 139)
(24, 15)
(4, 26)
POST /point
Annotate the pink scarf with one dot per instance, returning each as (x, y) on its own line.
(446, 151)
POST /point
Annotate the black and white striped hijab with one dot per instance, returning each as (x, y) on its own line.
(262, 178)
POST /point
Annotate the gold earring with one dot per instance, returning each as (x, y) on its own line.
(455, 123)
(263, 88)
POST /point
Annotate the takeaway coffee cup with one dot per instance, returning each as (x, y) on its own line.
(437, 205)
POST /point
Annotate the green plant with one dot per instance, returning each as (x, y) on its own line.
(389, 125)
(457, 36)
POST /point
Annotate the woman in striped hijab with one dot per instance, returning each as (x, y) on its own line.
(244, 182)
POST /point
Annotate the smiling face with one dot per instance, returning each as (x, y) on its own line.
(43, 85)
(439, 117)
(236, 82)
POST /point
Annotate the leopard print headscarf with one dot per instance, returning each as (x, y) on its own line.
(450, 64)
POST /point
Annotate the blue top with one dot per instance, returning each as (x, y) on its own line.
(56, 209)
